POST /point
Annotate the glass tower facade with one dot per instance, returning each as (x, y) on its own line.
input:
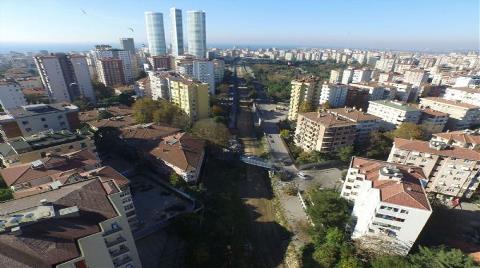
(155, 33)
(196, 35)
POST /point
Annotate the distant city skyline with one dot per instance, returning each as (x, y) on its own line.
(398, 25)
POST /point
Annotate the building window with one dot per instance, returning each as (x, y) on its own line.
(43, 119)
(45, 126)
(24, 122)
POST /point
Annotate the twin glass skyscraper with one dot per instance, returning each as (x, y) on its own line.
(196, 33)
(155, 33)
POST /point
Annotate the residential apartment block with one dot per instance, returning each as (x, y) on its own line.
(393, 113)
(462, 138)
(333, 94)
(110, 72)
(365, 123)
(323, 132)
(463, 94)
(30, 119)
(390, 204)
(452, 171)
(25, 150)
(306, 90)
(66, 77)
(433, 121)
(83, 224)
(461, 115)
(11, 95)
(415, 77)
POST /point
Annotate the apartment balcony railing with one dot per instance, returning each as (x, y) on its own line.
(120, 251)
(123, 261)
(112, 231)
(117, 241)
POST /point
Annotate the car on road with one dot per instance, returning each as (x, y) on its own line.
(304, 176)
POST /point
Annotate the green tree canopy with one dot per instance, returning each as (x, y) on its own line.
(328, 209)
(285, 133)
(215, 132)
(345, 153)
(380, 145)
(306, 107)
(408, 131)
(147, 111)
(177, 181)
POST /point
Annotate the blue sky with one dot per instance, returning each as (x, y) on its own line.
(395, 24)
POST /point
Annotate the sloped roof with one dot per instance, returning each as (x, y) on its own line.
(53, 166)
(424, 147)
(408, 192)
(108, 173)
(53, 241)
(353, 114)
(460, 136)
(181, 150)
(327, 119)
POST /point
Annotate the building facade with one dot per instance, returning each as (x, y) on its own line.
(365, 123)
(196, 34)
(11, 95)
(110, 72)
(323, 132)
(176, 31)
(333, 94)
(461, 115)
(393, 114)
(191, 96)
(390, 205)
(155, 33)
(306, 90)
(452, 171)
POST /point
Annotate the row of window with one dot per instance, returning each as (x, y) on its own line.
(394, 209)
(388, 217)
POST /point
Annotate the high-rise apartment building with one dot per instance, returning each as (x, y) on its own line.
(11, 95)
(196, 34)
(176, 31)
(203, 71)
(66, 77)
(106, 51)
(306, 90)
(127, 44)
(110, 71)
(335, 76)
(155, 33)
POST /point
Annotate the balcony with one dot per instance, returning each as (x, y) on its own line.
(118, 252)
(123, 261)
(117, 241)
(112, 231)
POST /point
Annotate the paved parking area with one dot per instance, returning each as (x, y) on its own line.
(330, 178)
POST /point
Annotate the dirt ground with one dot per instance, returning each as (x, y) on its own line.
(268, 238)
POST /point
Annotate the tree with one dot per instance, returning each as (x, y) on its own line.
(328, 209)
(143, 110)
(83, 104)
(126, 98)
(345, 153)
(391, 261)
(102, 91)
(326, 105)
(214, 132)
(306, 107)
(217, 110)
(104, 114)
(177, 181)
(441, 257)
(380, 145)
(408, 131)
(6, 194)
(285, 133)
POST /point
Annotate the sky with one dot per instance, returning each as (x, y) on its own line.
(385, 24)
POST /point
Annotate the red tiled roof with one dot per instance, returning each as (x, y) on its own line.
(423, 146)
(408, 192)
(460, 136)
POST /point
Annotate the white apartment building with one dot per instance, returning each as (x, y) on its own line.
(463, 94)
(107, 52)
(365, 123)
(415, 77)
(452, 171)
(11, 95)
(203, 71)
(66, 77)
(362, 75)
(303, 90)
(81, 224)
(393, 113)
(385, 64)
(461, 115)
(347, 76)
(159, 86)
(390, 204)
(467, 81)
(334, 94)
(335, 76)
(323, 132)
(375, 91)
(462, 138)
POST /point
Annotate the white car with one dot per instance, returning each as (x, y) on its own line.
(303, 175)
